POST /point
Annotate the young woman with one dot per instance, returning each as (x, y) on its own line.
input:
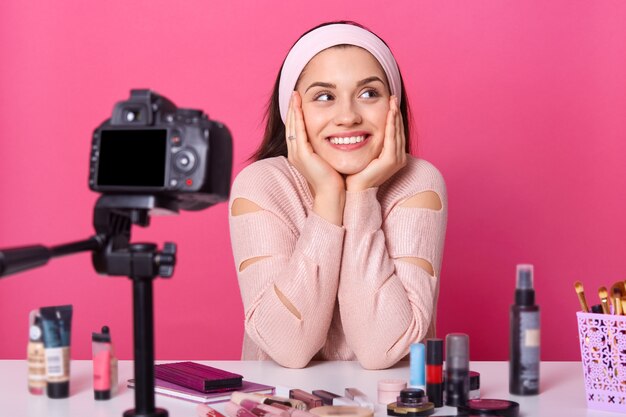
(337, 231)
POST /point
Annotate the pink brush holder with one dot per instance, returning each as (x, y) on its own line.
(603, 353)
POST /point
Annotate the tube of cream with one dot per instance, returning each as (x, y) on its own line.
(57, 327)
(101, 348)
(36, 358)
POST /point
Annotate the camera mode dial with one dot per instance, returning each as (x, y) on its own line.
(185, 161)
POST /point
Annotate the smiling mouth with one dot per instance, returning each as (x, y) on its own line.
(348, 140)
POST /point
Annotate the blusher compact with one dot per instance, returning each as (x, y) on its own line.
(489, 407)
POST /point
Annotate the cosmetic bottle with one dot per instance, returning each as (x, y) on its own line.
(56, 323)
(104, 365)
(36, 356)
(524, 336)
(417, 366)
(457, 369)
(114, 381)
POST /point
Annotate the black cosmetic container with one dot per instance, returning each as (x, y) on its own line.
(457, 369)
(434, 371)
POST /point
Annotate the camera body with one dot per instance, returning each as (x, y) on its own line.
(151, 147)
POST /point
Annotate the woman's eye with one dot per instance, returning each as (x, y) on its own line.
(323, 97)
(369, 94)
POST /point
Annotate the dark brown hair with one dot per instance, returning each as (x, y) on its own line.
(274, 142)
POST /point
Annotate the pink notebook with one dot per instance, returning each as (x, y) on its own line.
(176, 391)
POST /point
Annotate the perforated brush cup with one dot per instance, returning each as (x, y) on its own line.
(603, 354)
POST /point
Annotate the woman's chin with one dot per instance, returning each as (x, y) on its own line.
(349, 170)
(350, 164)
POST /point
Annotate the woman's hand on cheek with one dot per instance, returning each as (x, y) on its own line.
(320, 175)
(392, 157)
(328, 185)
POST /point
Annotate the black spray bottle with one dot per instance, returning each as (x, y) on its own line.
(457, 369)
(524, 337)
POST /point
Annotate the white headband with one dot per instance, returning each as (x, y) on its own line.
(323, 38)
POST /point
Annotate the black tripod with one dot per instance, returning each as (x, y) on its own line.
(113, 254)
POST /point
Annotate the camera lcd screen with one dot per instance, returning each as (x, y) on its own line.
(132, 158)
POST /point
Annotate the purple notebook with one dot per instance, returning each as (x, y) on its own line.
(176, 391)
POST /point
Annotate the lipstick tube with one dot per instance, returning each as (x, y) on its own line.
(330, 398)
(235, 410)
(263, 409)
(293, 412)
(361, 399)
(272, 400)
(434, 371)
(310, 400)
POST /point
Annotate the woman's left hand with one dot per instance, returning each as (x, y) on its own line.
(392, 157)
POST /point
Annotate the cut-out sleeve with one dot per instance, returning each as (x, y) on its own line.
(290, 292)
(387, 303)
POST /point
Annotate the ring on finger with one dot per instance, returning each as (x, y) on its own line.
(291, 137)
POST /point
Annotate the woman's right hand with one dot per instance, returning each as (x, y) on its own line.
(328, 186)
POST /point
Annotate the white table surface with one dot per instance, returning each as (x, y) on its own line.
(562, 389)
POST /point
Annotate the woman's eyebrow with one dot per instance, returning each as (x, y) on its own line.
(320, 84)
(369, 80)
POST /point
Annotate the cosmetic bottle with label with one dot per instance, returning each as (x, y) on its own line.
(36, 356)
(56, 323)
(524, 347)
(104, 365)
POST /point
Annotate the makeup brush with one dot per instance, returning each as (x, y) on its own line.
(617, 299)
(604, 297)
(581, 296)
(624, 304)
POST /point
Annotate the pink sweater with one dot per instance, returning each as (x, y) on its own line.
(352, 298)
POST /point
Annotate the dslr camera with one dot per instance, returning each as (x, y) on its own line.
(151, 147)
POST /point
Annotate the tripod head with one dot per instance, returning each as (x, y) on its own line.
(113, 218)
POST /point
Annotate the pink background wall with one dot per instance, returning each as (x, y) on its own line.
(521, 105)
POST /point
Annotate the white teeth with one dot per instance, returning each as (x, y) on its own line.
(348, 140)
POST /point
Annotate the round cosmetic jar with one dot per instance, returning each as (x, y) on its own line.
(389, 389)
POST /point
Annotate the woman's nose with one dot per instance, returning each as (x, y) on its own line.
(347, 113)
